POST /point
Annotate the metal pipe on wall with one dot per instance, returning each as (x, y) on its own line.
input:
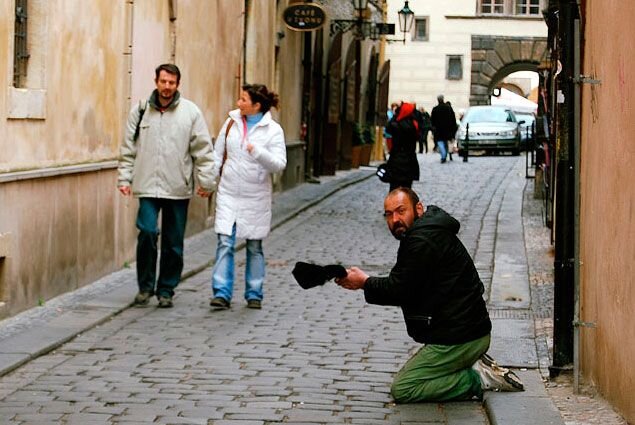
(576, 203)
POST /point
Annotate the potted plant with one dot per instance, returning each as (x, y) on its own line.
(357, 142)
(368, 136)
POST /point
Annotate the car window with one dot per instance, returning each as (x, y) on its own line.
(528, 118)
(488, 115)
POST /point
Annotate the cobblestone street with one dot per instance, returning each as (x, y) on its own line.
(318, 356)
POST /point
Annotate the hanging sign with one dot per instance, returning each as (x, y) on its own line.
(304, 17)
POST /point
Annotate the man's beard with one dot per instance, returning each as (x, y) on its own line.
(399, 236)
(400, 226)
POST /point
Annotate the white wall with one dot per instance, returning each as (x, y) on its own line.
(418, 68)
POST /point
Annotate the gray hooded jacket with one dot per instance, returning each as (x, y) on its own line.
(172, 147)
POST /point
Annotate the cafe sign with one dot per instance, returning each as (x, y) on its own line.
(304, 17)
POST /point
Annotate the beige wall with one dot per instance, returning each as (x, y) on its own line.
(288, 77)
(95, 60)
(608, 205)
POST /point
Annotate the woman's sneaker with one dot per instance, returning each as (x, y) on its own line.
(218, 303)
(496, 378)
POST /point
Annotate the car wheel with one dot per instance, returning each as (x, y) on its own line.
(515, 152)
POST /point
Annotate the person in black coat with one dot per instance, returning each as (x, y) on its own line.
(402, 163)
(438, 288)
(426, 127)
(443, 126)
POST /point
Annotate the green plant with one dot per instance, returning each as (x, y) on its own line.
(358, 134)
(369, 134)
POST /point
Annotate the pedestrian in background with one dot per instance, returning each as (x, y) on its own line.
(419, 117)
(166, 143)
(437, 286)
(250, 147)
(443, 126)
(387, 136)
(425, 129)
(402, 165)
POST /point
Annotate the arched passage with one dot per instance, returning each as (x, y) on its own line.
(493, 58)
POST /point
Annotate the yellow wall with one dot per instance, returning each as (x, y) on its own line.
(95, 60)
(608, 204)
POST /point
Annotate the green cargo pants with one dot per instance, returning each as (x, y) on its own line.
(441, 373)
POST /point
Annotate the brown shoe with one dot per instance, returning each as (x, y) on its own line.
(142, 298)
(218, 303)
(165, 302)
(255, 304)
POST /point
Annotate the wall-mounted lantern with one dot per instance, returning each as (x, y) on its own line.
(364, 28)
(406, 18)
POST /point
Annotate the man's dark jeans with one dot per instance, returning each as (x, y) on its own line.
(173, 220)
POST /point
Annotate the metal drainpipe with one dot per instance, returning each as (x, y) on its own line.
(245, 27)
(576, 203)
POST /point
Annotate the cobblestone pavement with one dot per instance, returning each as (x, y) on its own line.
(316, 356)
(313, 357)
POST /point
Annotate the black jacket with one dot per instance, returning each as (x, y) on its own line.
(402, 163)
(435, 283)
(443, 122)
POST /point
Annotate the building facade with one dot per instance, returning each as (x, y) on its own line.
(70, 73)
(463, 49)
(587, 97)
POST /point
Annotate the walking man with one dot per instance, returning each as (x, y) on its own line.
(425, 129)
(443, 126)
(440, 293)
(166, 143)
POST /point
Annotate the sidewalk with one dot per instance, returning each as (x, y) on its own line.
(43, 329)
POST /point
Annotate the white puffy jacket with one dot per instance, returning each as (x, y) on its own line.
(244, 190)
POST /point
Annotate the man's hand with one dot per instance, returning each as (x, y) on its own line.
(355, 279)
(125, 190)
(203, 193)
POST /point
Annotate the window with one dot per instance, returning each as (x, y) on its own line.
(510, 7)
(421, 29)
(493, 7)
(454, 69)
(528, 7)
(27, 91)
(20, 50)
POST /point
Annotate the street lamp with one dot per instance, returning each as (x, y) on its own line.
(360, 5)
(406, 18)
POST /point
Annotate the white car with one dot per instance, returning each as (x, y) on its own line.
(491, 129)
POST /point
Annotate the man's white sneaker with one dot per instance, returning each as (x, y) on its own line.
(496, 378)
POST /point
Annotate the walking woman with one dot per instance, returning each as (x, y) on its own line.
(402, 163)
(250, 147)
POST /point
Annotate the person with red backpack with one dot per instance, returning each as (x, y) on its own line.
(402, 165)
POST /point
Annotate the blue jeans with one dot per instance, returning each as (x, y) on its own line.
(443, 149)
(173, 220)
(223, 271)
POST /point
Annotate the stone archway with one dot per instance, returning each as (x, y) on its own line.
(493, 58)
